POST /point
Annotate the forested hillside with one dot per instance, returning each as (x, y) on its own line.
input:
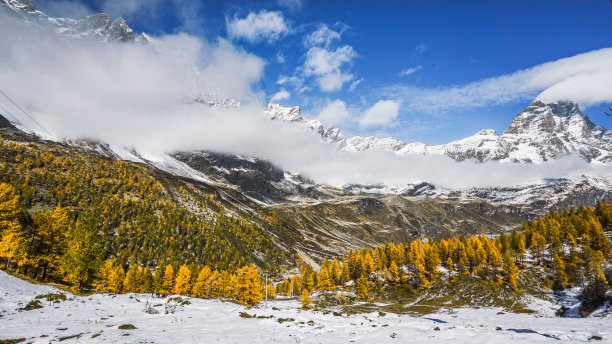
(71, 215)
(58, 198)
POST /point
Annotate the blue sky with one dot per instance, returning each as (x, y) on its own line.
(425, 71)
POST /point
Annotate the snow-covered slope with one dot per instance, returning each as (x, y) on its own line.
(96, 319)
(539, 133)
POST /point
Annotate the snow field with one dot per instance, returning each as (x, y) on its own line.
(214, 321)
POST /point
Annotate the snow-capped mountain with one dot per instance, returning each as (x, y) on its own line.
(294, 114)
(99, 26)
(539, 133)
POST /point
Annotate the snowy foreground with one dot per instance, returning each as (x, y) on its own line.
(209, 321)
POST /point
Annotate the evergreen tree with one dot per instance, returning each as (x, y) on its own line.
(133, 279)
(510, 271)
(538, 244)
(158, 279)
(147, 281)
(559, 274)
(83, 254)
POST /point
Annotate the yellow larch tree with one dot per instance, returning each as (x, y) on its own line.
(168, 283)
(182, 286)
(249, 287)
(203, 283)
(306, 301)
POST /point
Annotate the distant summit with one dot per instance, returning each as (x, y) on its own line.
(99, 26)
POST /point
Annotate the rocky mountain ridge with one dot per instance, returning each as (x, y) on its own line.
(99, 26)
(539, 133)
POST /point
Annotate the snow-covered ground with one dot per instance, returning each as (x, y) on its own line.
(210, 321)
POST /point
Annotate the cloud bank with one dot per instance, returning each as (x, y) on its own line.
(141, 97)
(381, 114)
(585, 78)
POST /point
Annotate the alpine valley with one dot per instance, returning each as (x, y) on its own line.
(228, 213)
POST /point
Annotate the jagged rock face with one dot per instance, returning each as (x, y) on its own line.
(256, 178)
(98, 26)
(106, 29)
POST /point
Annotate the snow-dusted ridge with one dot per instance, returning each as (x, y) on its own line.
(99, 26)
(539, 133)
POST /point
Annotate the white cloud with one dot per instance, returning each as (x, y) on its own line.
(585, 78)
(322, 36)
(280, 95)
(410, 70)
(294, 81)
(421, 48)
(333, 113)
(291, 4)
(354, 84)
(326, 65)
(381, 114)
(280, 58)
(268, 26)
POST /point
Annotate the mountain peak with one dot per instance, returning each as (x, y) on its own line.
(282, 113)
(487, 132)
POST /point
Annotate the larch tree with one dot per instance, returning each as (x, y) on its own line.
(538, 245)
(325, 282)
(133, 279)
(12, 242)
(182, 286)
(306, 301)
(362, 288)
(168, 281)
(271, 292)
(394, 271)
(249, 288)
(203, 283)
(116, 279)
(102, 282)
(510, 271)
